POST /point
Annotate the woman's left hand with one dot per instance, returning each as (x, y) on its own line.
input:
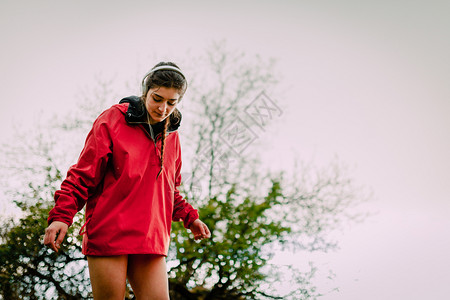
(200, 230)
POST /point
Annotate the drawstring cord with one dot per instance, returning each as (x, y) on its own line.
(159, 173)
(83, 228)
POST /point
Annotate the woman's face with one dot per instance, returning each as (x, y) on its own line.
(160, 103)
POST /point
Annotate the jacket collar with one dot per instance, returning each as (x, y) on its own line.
(137, 113)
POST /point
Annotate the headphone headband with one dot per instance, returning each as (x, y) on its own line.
(166, 68)
(172, 68)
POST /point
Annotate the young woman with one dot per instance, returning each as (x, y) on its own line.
(128, 175)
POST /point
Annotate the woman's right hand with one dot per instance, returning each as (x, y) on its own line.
(56, 227)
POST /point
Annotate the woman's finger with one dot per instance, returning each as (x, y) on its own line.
(202, 229)
(61, 235)
(50, 235)
(207, 232)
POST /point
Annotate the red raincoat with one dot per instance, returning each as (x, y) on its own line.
(128, 209)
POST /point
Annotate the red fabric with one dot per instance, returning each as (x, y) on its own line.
(128, 210)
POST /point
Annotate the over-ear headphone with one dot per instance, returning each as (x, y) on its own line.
(168, 67)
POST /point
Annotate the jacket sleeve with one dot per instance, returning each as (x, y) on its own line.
(182, 210)
(83, 177)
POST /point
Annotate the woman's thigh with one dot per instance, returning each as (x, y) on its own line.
(147, 275)
(108, 276)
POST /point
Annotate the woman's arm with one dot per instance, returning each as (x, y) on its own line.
(183, 211)
(83, 177)
(81, 181)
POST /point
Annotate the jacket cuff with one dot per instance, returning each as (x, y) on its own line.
(190, 218)
(51, 219)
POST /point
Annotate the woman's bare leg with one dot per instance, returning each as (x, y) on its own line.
(147, 275)
(108, 276)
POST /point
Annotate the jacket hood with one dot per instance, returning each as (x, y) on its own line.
(137, 113)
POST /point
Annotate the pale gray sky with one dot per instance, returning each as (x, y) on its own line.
(367, 81)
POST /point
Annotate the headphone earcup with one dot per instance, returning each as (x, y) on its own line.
(143, 86)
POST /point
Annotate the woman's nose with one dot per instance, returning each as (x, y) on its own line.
(162, 107)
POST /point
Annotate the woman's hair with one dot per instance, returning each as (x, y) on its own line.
(168, 78)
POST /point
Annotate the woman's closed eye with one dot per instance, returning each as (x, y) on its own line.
(159, 100)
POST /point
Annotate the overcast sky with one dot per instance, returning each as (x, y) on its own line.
(364, 80)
